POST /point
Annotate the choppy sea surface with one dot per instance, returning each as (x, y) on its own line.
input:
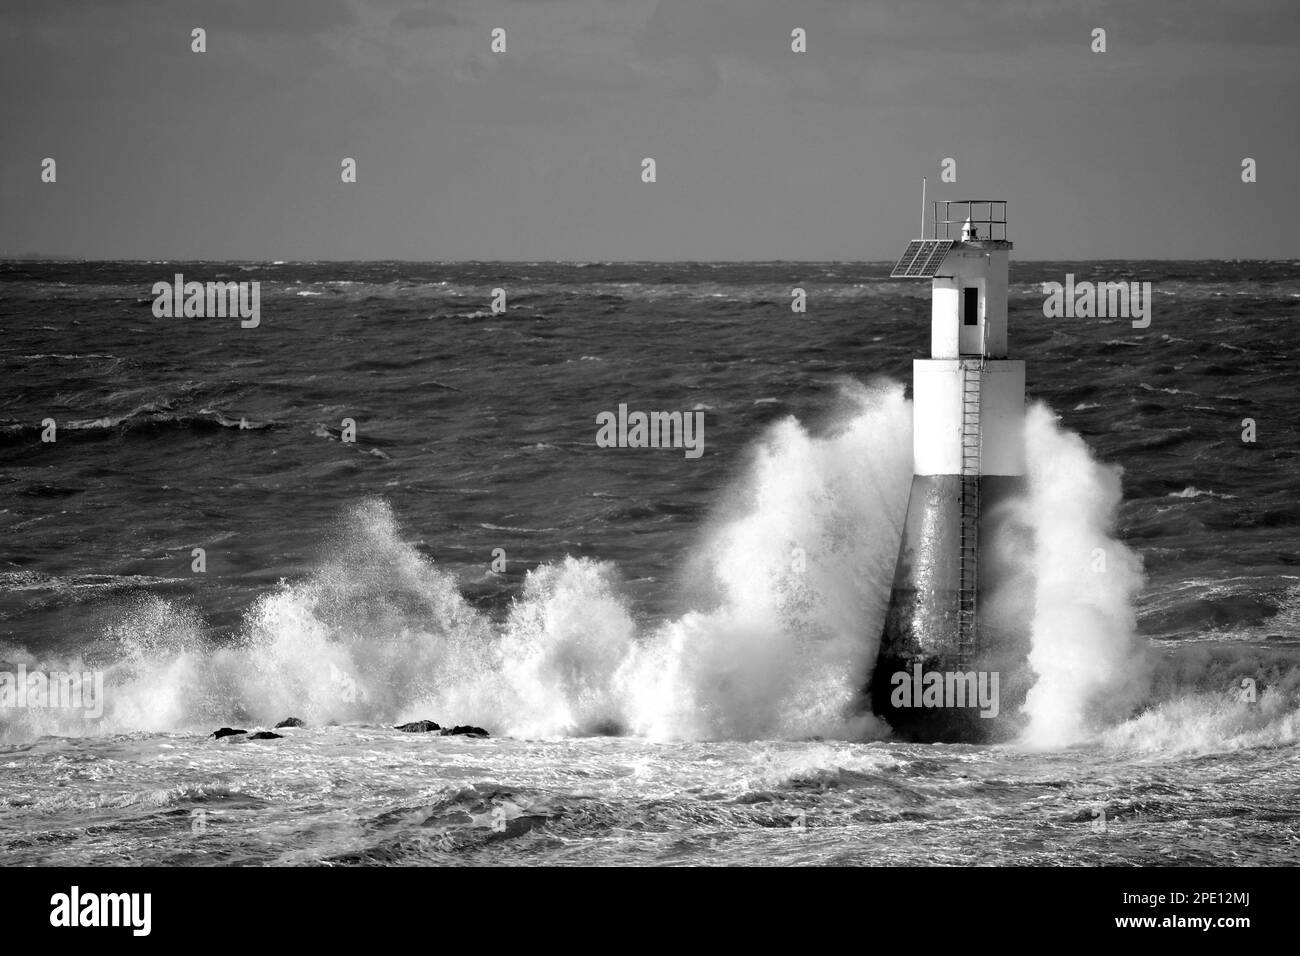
(666, 650)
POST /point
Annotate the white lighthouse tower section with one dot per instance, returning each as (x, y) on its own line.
(968, 303)
(937, 393)
(968, 336)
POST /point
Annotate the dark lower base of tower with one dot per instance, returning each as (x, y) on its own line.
(921, 684)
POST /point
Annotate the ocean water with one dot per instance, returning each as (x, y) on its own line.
(670, 656)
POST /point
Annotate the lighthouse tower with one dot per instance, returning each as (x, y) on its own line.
(951, 660)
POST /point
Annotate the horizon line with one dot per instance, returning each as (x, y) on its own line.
(590, 262)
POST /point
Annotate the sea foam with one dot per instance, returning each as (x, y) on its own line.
(782, 603)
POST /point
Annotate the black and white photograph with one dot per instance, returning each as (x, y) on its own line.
(532, 434)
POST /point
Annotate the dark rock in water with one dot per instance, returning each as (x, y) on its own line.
(226, 732)
(291, 722)
(465, 730)
(265, 735)
(419, 727)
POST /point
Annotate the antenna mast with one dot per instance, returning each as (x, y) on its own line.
(922, 233)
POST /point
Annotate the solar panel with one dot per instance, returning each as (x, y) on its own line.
(937, 254)
(909, 256)
(922, 259)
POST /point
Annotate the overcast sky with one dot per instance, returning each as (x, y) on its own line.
(535, 153)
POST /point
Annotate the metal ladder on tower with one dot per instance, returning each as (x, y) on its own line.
(972, 373)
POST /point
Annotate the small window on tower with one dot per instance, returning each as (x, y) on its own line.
(970, 307)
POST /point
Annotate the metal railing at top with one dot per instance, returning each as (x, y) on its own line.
(987, 217)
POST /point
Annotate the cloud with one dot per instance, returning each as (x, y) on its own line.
(297, 17)
(423, 18)
(245, 17)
